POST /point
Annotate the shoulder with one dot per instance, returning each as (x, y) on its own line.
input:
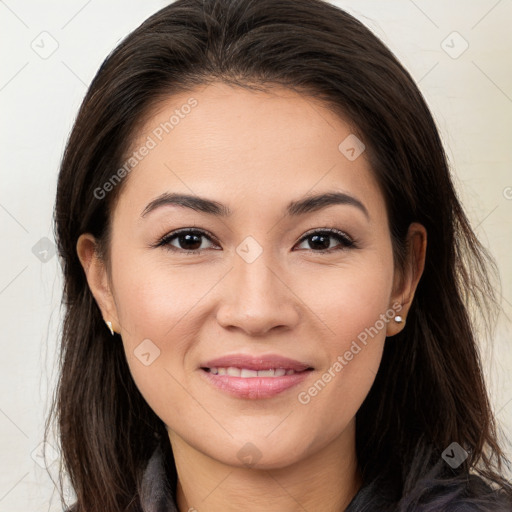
(479, 496)
(469, 493)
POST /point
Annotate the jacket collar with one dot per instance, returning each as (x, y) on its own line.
(156, 493)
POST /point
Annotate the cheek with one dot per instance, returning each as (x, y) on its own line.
(332, 399)
(349, 299)
(355, 310)
(154, 300)
(160, 310)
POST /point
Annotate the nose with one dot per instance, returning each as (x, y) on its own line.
(257, 299)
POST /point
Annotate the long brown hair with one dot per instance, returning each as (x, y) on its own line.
(429, 390)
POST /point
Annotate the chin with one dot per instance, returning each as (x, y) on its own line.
(260, 453)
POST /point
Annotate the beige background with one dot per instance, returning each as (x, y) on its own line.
(470, 96)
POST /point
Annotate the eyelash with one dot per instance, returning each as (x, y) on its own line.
(346, 241)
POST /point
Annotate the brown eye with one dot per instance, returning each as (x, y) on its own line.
(186, 240)
(320, 241)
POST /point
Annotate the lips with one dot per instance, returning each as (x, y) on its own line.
(254, 377)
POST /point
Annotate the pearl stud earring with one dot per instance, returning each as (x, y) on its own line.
(398, 319)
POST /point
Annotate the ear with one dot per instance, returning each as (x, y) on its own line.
(97, 278)
(406, 281)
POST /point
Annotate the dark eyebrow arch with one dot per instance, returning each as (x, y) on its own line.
(309, 204)
(188, 201)
(314, 203)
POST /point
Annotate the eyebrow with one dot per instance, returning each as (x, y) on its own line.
(309, 204)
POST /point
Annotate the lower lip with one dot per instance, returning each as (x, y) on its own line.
(255, 388)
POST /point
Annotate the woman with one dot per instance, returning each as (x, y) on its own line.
(268, 276)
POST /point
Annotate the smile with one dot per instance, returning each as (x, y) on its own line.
(253, 384)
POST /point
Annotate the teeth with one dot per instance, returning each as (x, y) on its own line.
(246, 373)
(234, 372)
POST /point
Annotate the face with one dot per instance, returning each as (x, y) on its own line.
(263, 278)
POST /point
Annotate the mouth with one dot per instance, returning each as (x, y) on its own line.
(254, 377)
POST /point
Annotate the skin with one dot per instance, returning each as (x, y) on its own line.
(254, 152)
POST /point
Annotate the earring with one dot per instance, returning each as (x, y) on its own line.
(398, 319)
(109, 324)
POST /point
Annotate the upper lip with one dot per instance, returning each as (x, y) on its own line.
(262, 362)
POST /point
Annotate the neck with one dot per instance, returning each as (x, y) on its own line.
(326, 480)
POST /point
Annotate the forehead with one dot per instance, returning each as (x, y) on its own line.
(245, 146)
